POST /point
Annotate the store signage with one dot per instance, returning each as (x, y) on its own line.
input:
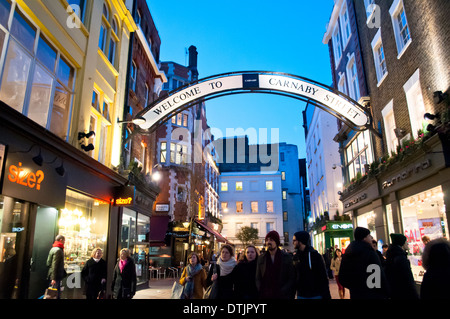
(162, 207)
(124, 196)
(355, 200)
(268, 82)
(26, 180)
(124, 201)
(406, 174)
(342, 226)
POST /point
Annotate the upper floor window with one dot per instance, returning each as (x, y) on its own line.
(379, 58)
(342, 87)
(358, 153)
(133, 76)
(345, 25)
(370, 7)
(416, 106)
(337, 45)
(400, 25)
(353, 83)
(269, 185)
(108, 38)
(180, 119)
(239, 186)
(389, 127)
(224, 186)
(178, 153)
(269, 206)
(37, 80)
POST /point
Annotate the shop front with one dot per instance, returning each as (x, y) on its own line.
(48, 187)
(334, 234)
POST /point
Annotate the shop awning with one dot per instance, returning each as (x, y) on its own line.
(212, 231)
(158, 228)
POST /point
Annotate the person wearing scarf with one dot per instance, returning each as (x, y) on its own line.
(124, 280)
(94, 274)
(193, 278)
(55, 262)
(222, 273)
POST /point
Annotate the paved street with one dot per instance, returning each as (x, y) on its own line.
(161, 289)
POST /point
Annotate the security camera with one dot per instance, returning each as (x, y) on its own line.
(334, 166)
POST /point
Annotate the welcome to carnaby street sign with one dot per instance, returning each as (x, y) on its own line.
(330, 100)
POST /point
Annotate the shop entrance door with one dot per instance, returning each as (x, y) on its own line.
(44, 235)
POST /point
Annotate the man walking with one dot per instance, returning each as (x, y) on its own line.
(312, 277)
(275, 272)
(361, 271)
(55, 262)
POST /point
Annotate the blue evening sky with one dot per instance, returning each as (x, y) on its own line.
(249, 35)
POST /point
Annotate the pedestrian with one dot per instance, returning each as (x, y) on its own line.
(193, 278)
(245, 275)
(361, 271)
(385, 248)
(275, 272)
(436, 262)
(124, 279)
(379, 254)
(327, 256)
(312, 277)
(335, 266)
(94, 274)
(425, 240)
(221, 273)
(55, 262)
(398, 270)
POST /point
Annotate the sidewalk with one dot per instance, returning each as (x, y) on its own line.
(162, 288)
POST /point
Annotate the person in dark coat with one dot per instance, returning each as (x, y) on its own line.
(379, 253)
(245, 275)
(275, 272)
(55, 263)
(436, 262)
(124, 280)
(94, 274)
(361, 271)
(312, 277)
(398, 270)
(221, 272)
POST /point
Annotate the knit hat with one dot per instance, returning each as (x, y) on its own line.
(274, 236)
(302, 236)
(361, 233)
(398, 239)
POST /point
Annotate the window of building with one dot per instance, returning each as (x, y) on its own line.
(283, 175)
(353, 83)
(284, 194)
(101, 125)
(79, 7)
(358, 153)
(163, 152)
(337, 45)
(379, 57)
(133, 76)
(269, 227)
(269, 185)
(269, 206)
(254, 206)
(416, 107)
(400, 25)
(285, 216)
(178, 153)
(345, 25)
(239, 207)
(37, 80)
(224, 206)
(239, 186)
(224, 186)
(389, 127)
(342, 87)
(370, 7)
(254, 225)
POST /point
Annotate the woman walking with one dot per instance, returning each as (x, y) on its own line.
(124, 280)
(245, 275)
(335, 265)
(221, 273)
(193, 278)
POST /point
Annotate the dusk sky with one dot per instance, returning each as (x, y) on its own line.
(249, 35)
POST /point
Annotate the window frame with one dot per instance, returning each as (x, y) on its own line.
(395, 11)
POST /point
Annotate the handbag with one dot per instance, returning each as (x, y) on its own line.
(51, 293)
(177, 290)
(213, 290)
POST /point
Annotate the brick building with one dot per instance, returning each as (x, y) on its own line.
(404, 187)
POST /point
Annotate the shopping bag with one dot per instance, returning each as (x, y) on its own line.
(177, 290)
(212, 291)
(51, 293)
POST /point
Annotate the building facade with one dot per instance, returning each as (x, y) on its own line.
(63, 69)
(404, 187)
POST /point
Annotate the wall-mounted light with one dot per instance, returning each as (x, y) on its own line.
(138, 120)
(429, 116)
(38, 158)
(438, 96)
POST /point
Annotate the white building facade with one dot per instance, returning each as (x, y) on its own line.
(251, 199)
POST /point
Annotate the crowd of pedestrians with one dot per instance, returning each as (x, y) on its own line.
(276, 274)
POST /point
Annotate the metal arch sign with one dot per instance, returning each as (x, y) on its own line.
(334, 102)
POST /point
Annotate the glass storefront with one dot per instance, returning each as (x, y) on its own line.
(135, 236)
(367, 220)
(84, 223)
(423, 214)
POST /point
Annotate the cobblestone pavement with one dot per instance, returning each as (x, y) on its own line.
(161, 289)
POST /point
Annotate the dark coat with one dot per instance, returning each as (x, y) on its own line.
(312, 277)
(281, 286)
(224, 283)
(124, 283)
(355, 272)
(436, 280)
(399, 274)
(245, 280)
(93, 273)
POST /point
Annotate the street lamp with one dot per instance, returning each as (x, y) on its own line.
(138, 120)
